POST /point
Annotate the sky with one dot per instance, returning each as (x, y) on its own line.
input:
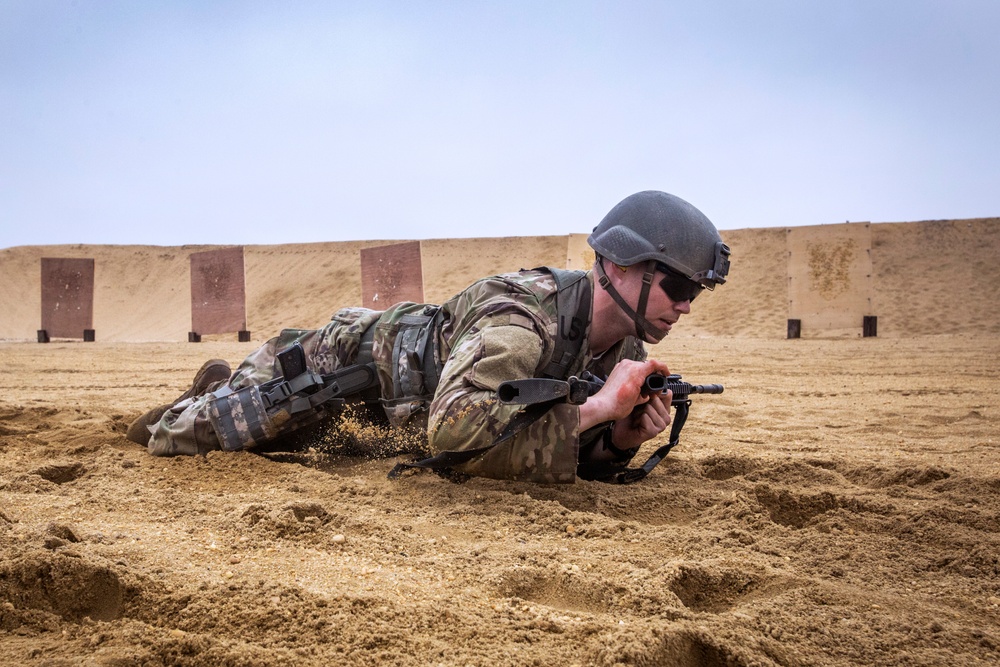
(259, 122)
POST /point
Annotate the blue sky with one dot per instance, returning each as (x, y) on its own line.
(178, 122)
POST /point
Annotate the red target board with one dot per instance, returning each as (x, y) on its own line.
(391, 274)
(67, 297)
(218, 291)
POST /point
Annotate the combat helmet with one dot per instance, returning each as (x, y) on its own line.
(661, 231)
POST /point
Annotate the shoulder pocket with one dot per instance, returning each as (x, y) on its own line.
(506, 353)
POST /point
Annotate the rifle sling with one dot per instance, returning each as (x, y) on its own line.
(630, 475)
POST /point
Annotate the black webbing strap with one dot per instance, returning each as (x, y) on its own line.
(432, 374)
(440, 461)
(416, 373)
(523, 420)
(448, 459)
(630, 475)
(282, 391)
(342, 383)
(573, 304)
(305, 390)
(641, 323)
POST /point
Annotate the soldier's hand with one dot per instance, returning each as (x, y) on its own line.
(620, 395)
(646, 422)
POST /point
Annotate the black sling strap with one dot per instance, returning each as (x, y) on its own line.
(630, 475)
(304, 390)
(573, 305)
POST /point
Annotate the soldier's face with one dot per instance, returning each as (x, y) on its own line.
(661, 310)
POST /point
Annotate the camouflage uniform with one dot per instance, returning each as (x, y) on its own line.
(500, 328)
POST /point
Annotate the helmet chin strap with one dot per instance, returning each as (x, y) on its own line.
(638, 315)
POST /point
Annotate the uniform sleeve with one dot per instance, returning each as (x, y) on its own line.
(465, 413)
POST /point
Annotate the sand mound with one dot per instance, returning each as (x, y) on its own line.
(834, 506)
(929, 278)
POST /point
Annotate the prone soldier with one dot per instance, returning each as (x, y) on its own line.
(435, 370)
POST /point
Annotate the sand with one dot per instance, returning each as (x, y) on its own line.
(839, 504)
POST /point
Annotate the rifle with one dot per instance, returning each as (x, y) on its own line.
(540, 394)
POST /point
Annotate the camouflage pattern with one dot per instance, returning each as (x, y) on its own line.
(186, 428)
(405, 394)
(500, 328)
(504, 328)
(240, 420)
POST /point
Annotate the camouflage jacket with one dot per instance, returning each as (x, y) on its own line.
(500, 328)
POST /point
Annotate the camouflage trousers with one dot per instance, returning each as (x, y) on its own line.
(186, 427)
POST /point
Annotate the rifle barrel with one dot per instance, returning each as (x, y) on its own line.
(659, 384)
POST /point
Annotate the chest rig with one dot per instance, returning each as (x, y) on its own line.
(573, 312)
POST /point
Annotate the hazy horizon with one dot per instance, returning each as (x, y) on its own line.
(242, 123)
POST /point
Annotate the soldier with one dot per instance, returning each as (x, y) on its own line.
(436, 369)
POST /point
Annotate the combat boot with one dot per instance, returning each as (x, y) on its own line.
(208, 378)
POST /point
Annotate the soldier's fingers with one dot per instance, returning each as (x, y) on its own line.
(652, 421)
(660, 403)
(663, 410)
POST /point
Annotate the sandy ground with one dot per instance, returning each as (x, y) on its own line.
(839, 504)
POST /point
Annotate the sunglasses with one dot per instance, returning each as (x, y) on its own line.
(677, 286)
